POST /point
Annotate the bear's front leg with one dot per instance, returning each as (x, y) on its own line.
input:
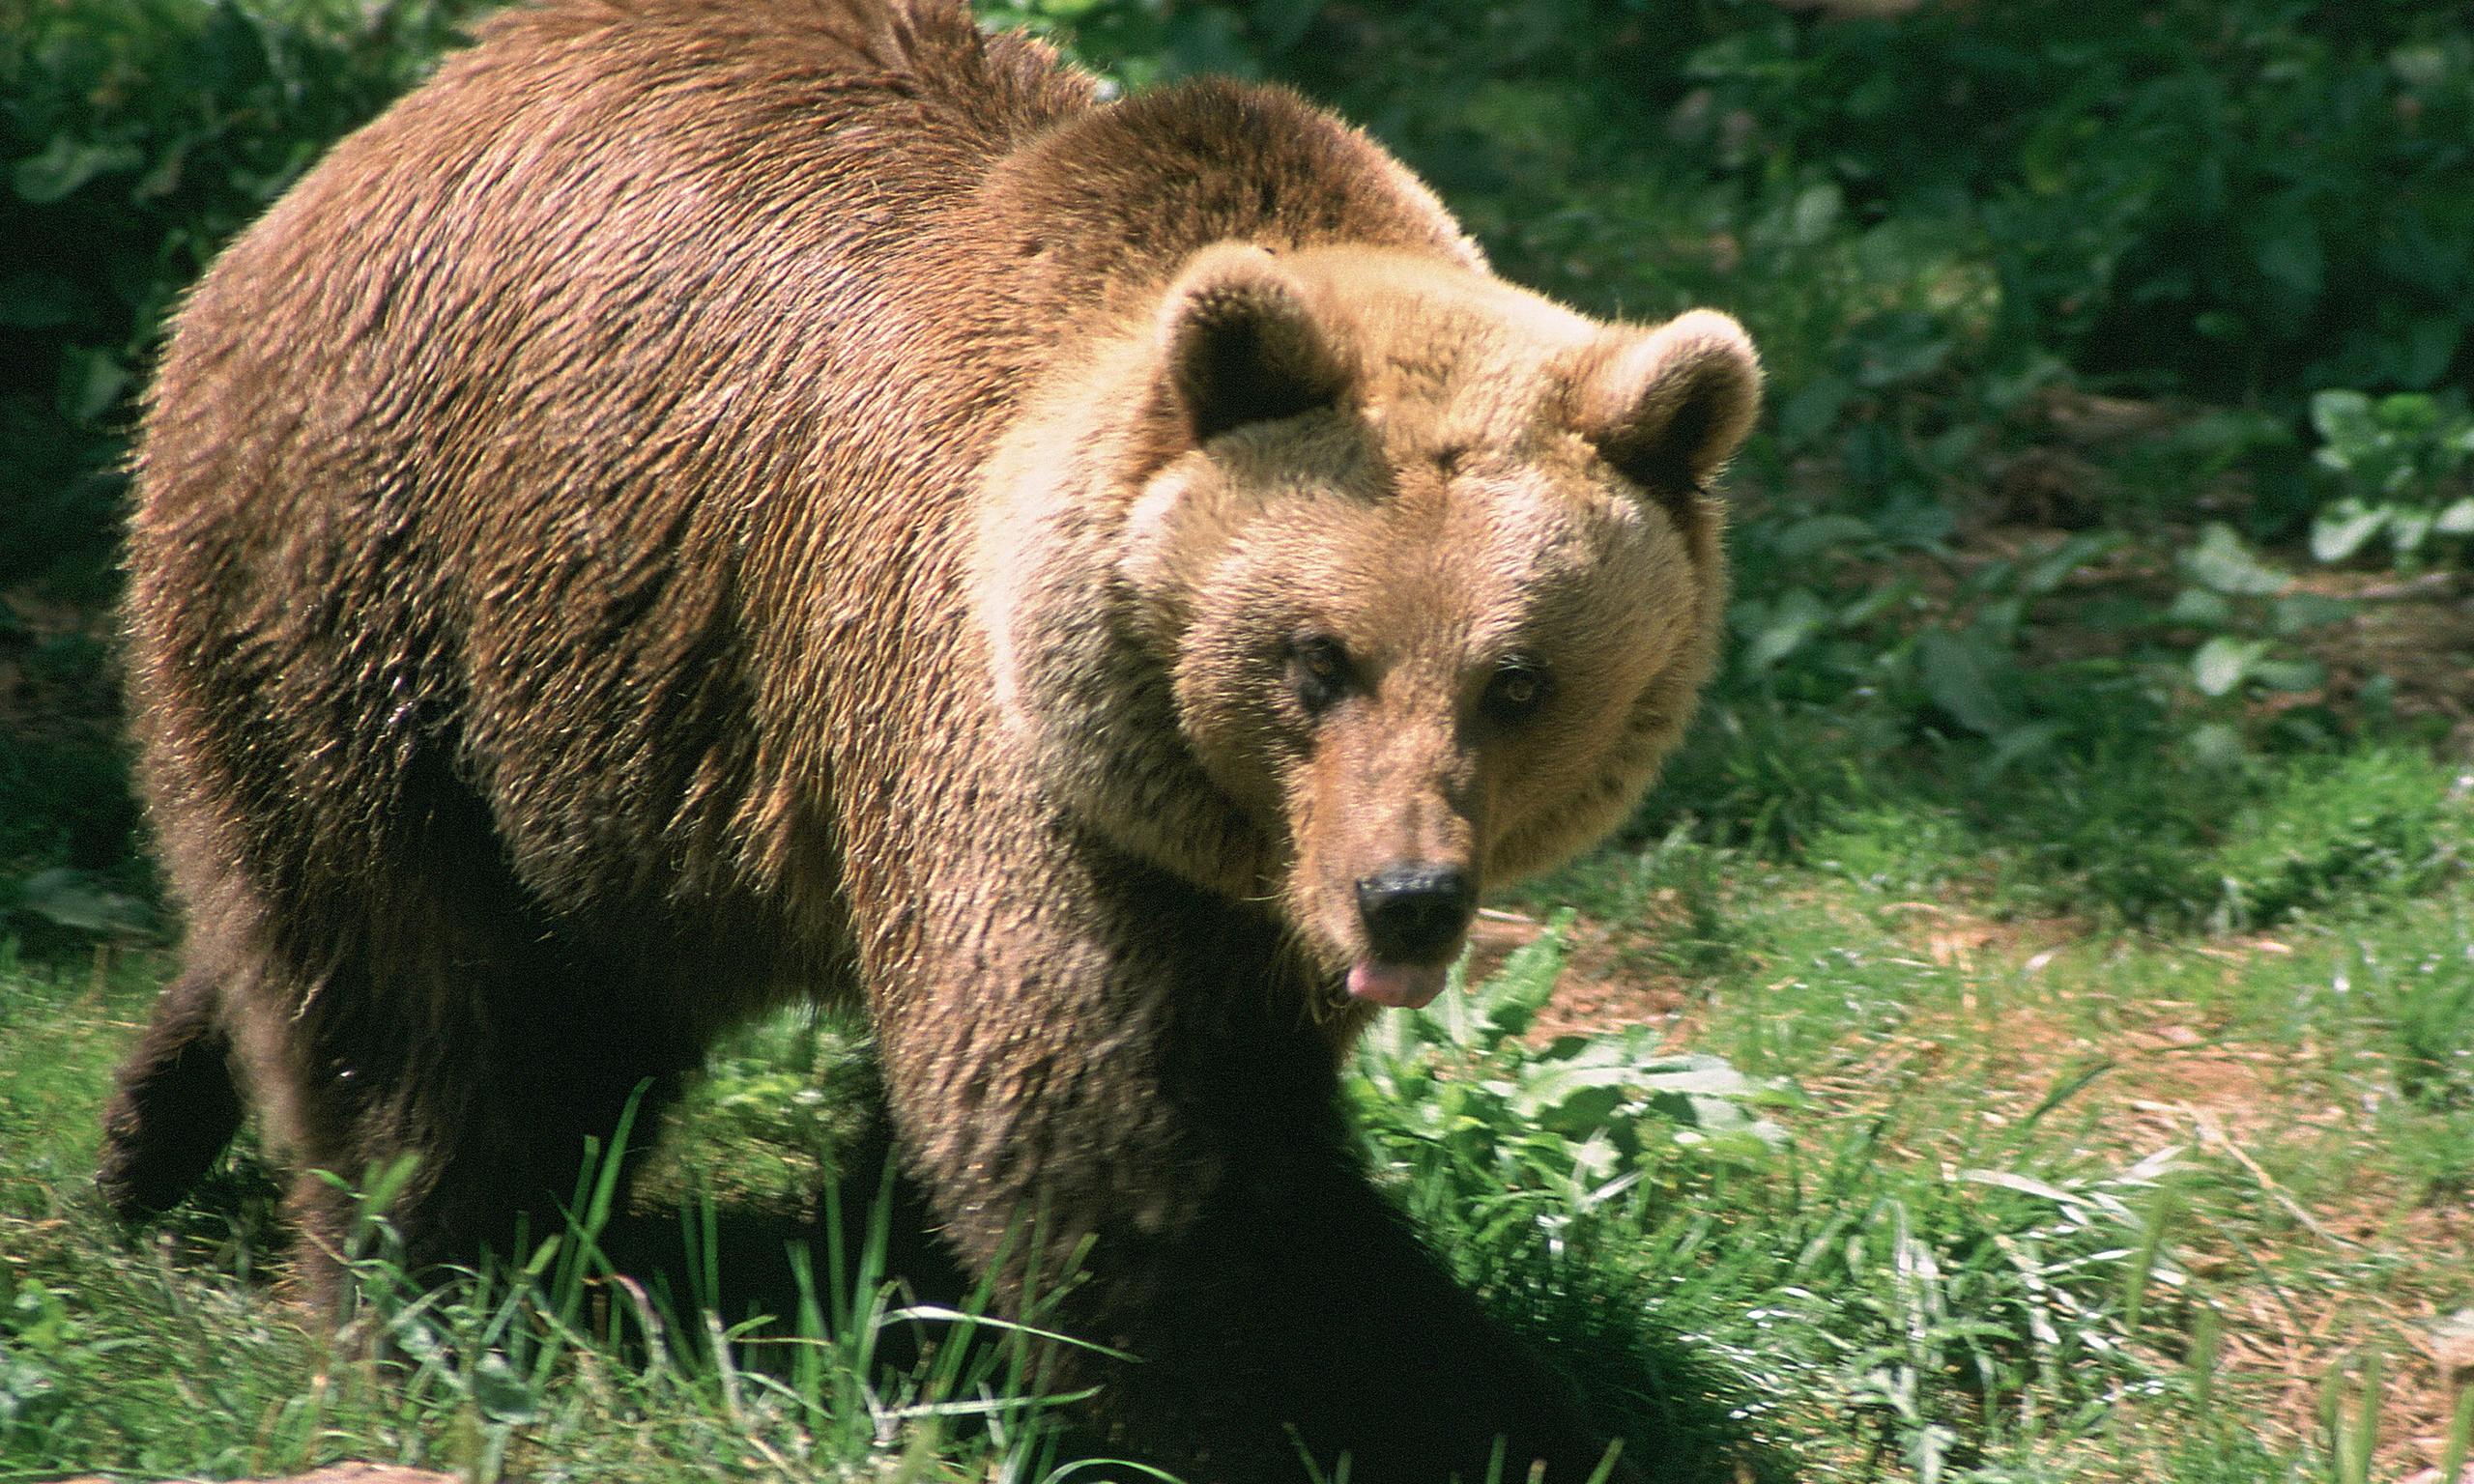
(1101, 1052)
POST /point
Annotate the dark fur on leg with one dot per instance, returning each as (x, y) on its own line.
(173, 1107)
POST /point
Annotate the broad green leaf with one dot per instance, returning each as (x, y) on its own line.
(2303, 674)
(1510, 999)
(1876, 602)
(2406, 527)
(503, 1395)
(1919, 521)
(2343, 527)
(1716, 1114)
(91, 383)
(74, 899)
(2027, 740)
(1809, 410)
(1958, 671)
(1633, 1047)
(1900, 347)
(1816, 211)
(1796, 616)
(2215, 745)
(66, 163)
(1813, 534)
(2291, 258)
(2413, 413)
(2342, 418)
(1584, 1112)
(2422, 66)
(1277, 25)
(1708, 1074)
(2199, 608)
(2223, 661)
(2300, 613)
(2223, 561)
(1557, 1086)
(2046, 572)
(36, 300)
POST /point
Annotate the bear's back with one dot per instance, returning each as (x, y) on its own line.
(664, 204)
(457, 458)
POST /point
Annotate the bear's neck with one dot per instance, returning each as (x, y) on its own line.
(1098, 211)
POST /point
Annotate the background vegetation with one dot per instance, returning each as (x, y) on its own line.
(2028, 1036)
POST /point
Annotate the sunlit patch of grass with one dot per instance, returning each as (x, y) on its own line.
(2306, 1087)
(778, 1104)
(2368, 824)
(2128, 833)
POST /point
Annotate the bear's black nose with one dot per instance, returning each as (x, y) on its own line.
(1415, 914)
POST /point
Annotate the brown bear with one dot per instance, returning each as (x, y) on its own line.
(706, 504)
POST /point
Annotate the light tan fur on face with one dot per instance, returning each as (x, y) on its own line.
(1481, 475)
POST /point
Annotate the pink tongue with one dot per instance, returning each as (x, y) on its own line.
(1402, 986)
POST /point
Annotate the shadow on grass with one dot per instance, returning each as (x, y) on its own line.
(761, 1274)
(1685, 1412)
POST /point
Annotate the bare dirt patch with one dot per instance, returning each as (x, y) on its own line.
(44, 699)
(1607, 985)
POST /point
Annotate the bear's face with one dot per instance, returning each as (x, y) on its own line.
(1415, 571)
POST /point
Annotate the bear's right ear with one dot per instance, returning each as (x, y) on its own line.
(1241, 344)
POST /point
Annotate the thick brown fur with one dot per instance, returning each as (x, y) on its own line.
(711, 504)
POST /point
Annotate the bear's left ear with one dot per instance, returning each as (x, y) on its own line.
(1240, 343)
(1668, 407)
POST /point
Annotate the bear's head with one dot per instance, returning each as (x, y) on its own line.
(1361, 583)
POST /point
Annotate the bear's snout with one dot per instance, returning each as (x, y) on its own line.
(1415, 912)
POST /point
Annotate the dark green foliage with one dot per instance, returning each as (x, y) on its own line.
(136, 136)
(66, 811)
(2225, 199)
(2219, 198)
(2176, 194)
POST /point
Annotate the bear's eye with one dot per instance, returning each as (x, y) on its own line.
(1517, 690)
(1319, 669)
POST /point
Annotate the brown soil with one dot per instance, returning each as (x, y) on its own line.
(50, 701)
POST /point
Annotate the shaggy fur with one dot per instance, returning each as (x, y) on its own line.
(709, 505)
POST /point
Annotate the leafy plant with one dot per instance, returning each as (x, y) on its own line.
(1459, 1086)
(2246, 606)
(2399, 462)
(2375, 816)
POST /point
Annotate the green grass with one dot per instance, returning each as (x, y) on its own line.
(1975, 1174)
(2129, 831)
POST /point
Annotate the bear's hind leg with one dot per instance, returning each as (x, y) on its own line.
(174, 1106)
(494, 1096)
